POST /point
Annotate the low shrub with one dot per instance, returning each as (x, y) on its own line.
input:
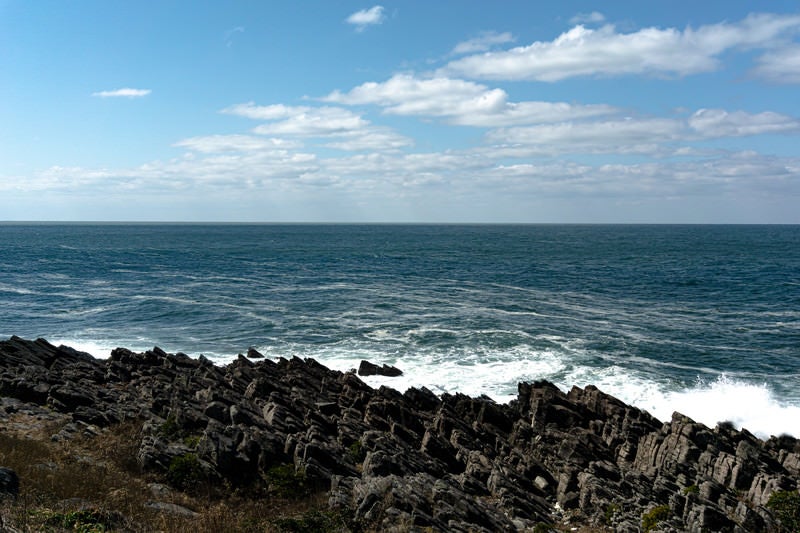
(786, 506)
(357, 452)
(84, 521)
(315, 521)
(285, 481)
(691, 489)
(185, 472)
(655, 515)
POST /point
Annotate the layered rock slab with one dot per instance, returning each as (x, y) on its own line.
(415, 460)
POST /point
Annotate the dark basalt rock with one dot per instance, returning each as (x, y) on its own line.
(252, 353)
(371, 369)
(9, 483)
(410, 461)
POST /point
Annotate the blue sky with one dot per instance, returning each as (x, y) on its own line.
(446, 111)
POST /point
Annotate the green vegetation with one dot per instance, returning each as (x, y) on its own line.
(285, 481)
(655, 515)
(691, 489)
(185, 472)
(315, 521)
(170, 429)
(785, 504)
(192, 441)
(83, 521)
(610, 511)
(357, 452)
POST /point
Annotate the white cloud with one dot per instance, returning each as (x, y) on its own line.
(615, 136)
(605, 52)
(716, 123)
(371, 140)
(314, 122)
(632, 135)
(123, 93)
(366, 17)
(781, 65)
(235, 143)
(267, 112)
(350, 131)
(483, 42)
(595, 17)
(461, 102)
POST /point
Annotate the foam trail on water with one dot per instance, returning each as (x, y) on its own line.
(724, 399)
(752, 406)
(96, 349)
(746, 405)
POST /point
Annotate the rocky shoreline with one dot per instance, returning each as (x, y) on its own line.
(412, 461)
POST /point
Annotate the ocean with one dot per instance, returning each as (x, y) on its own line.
(704, 320)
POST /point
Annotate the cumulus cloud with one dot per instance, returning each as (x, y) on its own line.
(604, 51)
(351, 131)
(315, 122)
(485, 41)
(123, 93)
(366, 17)
(461, 102)
(781, 65)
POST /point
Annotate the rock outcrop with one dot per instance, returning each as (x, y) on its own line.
(413, 460)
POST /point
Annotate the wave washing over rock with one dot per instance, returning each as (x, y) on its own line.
(414, 461)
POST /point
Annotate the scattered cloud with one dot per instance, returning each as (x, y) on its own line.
(595, 17)
(438, 177)
(123, 93)
(340, 144)
(781, 65)
(604, 51)
(367, 17)
(460, 102)
(485, 41)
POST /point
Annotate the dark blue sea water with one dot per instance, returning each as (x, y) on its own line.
(700, 319)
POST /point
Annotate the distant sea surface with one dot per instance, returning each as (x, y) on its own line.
(704, 320)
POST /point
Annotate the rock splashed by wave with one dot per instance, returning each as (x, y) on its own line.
(414, 459)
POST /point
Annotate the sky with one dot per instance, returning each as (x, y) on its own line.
(408, 111)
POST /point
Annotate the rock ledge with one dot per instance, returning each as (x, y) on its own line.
(413, 460)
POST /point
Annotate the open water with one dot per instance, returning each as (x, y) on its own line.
(700, 319)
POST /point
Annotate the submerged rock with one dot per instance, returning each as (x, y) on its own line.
(410, 461)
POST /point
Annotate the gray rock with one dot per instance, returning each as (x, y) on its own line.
(9, 483)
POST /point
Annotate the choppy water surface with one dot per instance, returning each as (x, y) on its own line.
(700, 319)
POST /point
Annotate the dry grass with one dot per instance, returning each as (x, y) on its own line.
(92, 483)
